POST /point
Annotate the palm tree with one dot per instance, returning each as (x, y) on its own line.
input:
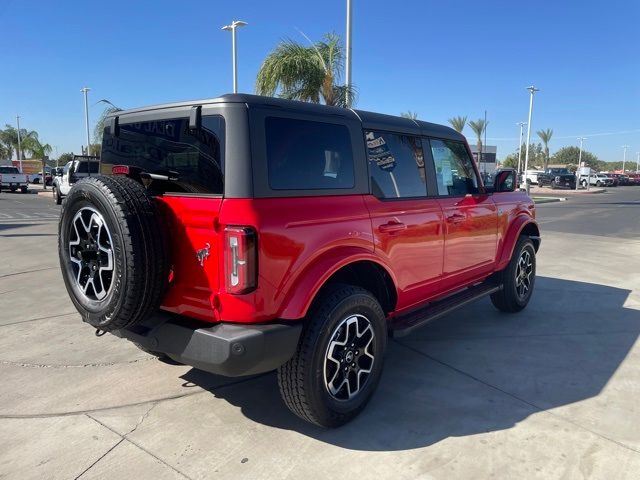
(409, 114)
(478, 127)
(9, 137)
(37, 149)
(458, 123)
(309, 74)
(545, 136)
(99, 128)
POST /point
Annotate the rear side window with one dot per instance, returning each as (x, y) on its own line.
(454, 168)
(396, 165)
(192, 158)
(88, 167)
(307, 155)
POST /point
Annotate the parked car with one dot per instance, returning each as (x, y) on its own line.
(634, 178)
(557, 178)
(531, 176)
(596, 179)
(623, 180)
(245, 234)
(81, 166)
(615, 180)
(11, 179)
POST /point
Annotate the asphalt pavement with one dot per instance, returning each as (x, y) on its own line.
(549, 393)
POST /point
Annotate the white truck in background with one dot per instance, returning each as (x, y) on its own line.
(11, 179)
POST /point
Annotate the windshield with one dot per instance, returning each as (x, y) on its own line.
(558, 171)
(9, 170)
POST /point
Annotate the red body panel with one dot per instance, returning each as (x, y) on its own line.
(428, 247)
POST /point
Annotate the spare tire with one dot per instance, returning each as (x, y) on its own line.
(113, 251)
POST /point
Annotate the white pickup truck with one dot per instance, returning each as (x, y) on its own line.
(80, 167)
(12, 179)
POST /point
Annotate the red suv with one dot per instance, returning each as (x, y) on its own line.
(245, 234)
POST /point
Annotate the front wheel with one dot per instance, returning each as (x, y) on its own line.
(584, 184)
(517, 279)
(598, 183)
(338, 363)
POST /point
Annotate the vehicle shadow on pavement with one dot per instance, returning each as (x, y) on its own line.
(474, 371)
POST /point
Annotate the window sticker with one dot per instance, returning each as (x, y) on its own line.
(379, 153)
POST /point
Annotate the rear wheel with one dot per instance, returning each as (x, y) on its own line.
(338, 364)
(24, 189)
(56, 195)
(517, 279)
(584, 184)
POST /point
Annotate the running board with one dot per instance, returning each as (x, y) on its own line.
(405, 324)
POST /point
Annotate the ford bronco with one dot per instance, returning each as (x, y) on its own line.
(245, 234)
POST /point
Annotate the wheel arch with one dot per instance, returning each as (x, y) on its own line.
(361, 269)
(522, 225)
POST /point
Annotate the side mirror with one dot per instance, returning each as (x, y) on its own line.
(505, 181)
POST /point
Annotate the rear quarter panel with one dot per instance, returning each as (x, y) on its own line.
(301, 241)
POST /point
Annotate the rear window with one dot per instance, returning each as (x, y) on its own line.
(8, 170)
(88, 167)
(193, 158)
(307, 155)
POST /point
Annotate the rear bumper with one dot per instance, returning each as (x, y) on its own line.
(227, 349)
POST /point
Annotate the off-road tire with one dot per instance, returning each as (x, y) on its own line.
(301, 379)
(508, 299)
(139, 249)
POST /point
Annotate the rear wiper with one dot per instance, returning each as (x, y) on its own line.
(171, 176)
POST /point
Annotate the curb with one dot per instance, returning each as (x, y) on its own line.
(541, 200)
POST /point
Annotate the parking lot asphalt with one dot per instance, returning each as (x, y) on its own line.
(549, 393)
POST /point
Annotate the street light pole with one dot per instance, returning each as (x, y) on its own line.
(232, 28)
(624, 158)
(19, 143)
(582, 139)
(521, 124)
(532, 91)
(348, 57)
(85, 91)
(637, 161)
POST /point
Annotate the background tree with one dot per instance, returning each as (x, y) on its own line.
(409, 114)
(569, 156)
(5, 152)
(545, 136)
(98, 130)
(37, 149)
(478, 127)
(9, 137)
(298, 72)
(64, 158)
(536, 157)
(458, 123)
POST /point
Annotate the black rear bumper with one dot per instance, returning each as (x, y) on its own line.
(228, 349)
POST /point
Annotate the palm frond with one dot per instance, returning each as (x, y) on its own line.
(458, 123)
(409, 114)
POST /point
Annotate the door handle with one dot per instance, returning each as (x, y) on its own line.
(392, 227)
(455, 218)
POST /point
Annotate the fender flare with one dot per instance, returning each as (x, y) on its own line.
(300, 291)
(518, 226)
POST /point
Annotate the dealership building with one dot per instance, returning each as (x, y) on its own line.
(488, 161)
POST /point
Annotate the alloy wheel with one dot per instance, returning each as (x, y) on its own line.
(524, 271)
(349, 357)
(91, 254)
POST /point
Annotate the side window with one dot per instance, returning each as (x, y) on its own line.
(396, 165)
(307, 155)
(454, 168)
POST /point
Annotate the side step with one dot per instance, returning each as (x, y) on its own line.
(405, 324)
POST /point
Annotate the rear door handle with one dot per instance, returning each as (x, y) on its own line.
(455, 218)
(392, 227)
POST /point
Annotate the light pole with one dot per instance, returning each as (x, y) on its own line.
(85, 91)
(347, 75)
(532, 91)
(582, 139)
(521, 124)
(232, 28)
(637, 161)
(624, 157)
(19, 143)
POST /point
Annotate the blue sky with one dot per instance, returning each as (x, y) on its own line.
(439, 58)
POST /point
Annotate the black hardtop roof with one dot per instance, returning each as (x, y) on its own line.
(368, 119)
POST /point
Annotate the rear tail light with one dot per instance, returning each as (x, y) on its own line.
(120, 170)
(241, 261)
